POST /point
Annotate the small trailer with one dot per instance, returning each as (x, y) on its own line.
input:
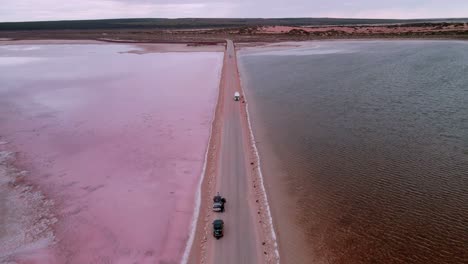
(236, 96)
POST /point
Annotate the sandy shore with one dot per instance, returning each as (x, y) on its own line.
(196, 252)
(27, 216)
(289, 238)
(291, 241)
(370, 29)
(177, 47)
(260, 199)
(250, 33)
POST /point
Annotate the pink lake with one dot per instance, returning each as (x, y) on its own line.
(115, 141)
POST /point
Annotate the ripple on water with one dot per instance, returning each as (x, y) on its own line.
(373, 145)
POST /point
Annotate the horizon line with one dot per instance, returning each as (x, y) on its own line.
(247, 18)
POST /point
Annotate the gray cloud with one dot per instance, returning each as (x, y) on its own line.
(30, 10)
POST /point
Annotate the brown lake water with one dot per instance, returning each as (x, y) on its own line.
(364, 146)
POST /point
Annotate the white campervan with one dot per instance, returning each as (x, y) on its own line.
(236, 96)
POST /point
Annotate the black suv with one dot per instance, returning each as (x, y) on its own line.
(218, 226)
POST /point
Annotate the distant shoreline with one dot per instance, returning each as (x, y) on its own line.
(213, 34)
(203, 44)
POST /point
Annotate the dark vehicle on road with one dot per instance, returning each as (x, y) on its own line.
(218, 203)
(218, 226)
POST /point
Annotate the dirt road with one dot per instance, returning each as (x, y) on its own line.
(239, 244)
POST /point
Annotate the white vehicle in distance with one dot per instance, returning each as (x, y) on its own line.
(236, 96)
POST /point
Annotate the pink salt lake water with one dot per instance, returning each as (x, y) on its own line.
(115, 140)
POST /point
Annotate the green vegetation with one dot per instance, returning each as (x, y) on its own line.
(194, 23)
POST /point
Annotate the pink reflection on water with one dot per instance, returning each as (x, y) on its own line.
(117, 140)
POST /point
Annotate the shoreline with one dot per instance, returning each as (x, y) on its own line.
(197, 252)
(215, 31)
(255, 47)
(143, 47)
(29, 214)
(207, 165)
(268, 227)
(291, 243)
(199, 43)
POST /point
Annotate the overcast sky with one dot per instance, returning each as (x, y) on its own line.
(32, 10)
